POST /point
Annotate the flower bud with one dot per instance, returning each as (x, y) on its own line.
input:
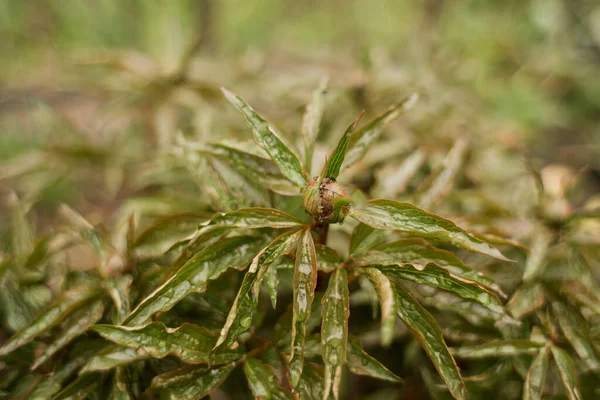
(324, 200)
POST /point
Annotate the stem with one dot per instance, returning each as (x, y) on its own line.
(322, 232)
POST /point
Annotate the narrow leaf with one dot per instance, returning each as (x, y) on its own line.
(337, 157)
(566, 370)
(263, 382)
(120, 385)
(60, 308)
(119, 293)
(190, 343)
(365, 136)
(112, 357)
(364, 238)
(429, 335)
(526, 299)
(498, 348)
(404, 217)
(272, 282)
(263, 134)
(310, 386)
(536, 377)
(334, 330)
(387, 300)
(189, 383)
(327, 258)
(254, 218)
(202, 240)
(194, 275)
(537, 258)
(80, 388)
(304, 284)
(361, 363)
(311, 121)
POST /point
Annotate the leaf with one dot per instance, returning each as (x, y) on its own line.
(526, 299)
(419, 252)
(536, 377)
(361, 363)
(337, 157)
(365, 136)
(62, 306)
(435, 276)
(189, 383)
(263, 382)
(272, 281)
(190, 343)
(195, 274)
(310, 386)
(498, 348)
(263, 134)
(566, 370)
(119, 293)
(80, 388)
(74, 325)
(364, 238)
(254, 218)
(112, 357)
(429, 335)
(283, 327)
(536, 260)
(575, 329)
(311, 121)
(304, 284)
(404, 217)
(387, 300)
(159, 237)
(240, 315)
(334, 330)
(203, 239)
(327, 258)
(120, 385)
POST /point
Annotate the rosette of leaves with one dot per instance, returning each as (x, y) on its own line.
(190, 319)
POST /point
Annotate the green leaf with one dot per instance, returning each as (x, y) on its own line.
(536, 377)
(334, 330)
(575, 329)
(404, 217)
(73, 326)
(57, 311)
(190, 343)
(387, 300)
(283, 327)
(118, 290)
(112, 357)
(120, 385)
(240, 315)
(429, 335)
(80, 388)
(327, 258)
(264, 135)
(263, 382)
(304, 284)
(566, 370)
(337, 157)
(365, 136)
(419, 252)
(310, 386)
(361, 363)
(526, 299)
(435, 276)
(189, 383)
(364, 238)
(272, 282)
(195, 274)
(159, 238)
(537, 258)
(311, 121)
(203, 239)
(254, 218)
(498, 348)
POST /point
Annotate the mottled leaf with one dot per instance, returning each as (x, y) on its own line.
(119, 293)
(327, 258)
(264, 135)
(536, 377)
(311, 121)
(80, 388)
(120, 385)
(566, 370)
(429, 335)
(334, 330)
(387, 301)
(526, 299)
(263, 382)
(194, 275)
(272, 282)
(498, 348)
(304, 284)
(336, 159)
(112, 357)
(404, 217)
(310, 386)
(365, 136)
(189, 383)
(254, 218)
(57, 311)
(361, 363)
(190, 343)
(202, 240)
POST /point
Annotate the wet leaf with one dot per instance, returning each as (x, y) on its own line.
(334, 330)
(498, 348)
(57, 311)
(310, 386)
(80, 388)
(365, 136)
(526, 299)
(387, 301)
(283, 328)
(566, 370)
(74, 325)
(119, 293)
(272, 282)
(311, 122)
(364, 238)
(263, 382)
(327, 258)
(361, 363)
(111, 357)
(193, 277)
(202, 240)
(254, 218)
(240, 315)
(336, 159)
(304, 284)
(264, 135)
(536, 377)
(404, 217)
(429, 335)
(190, 343)
(189, 383)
